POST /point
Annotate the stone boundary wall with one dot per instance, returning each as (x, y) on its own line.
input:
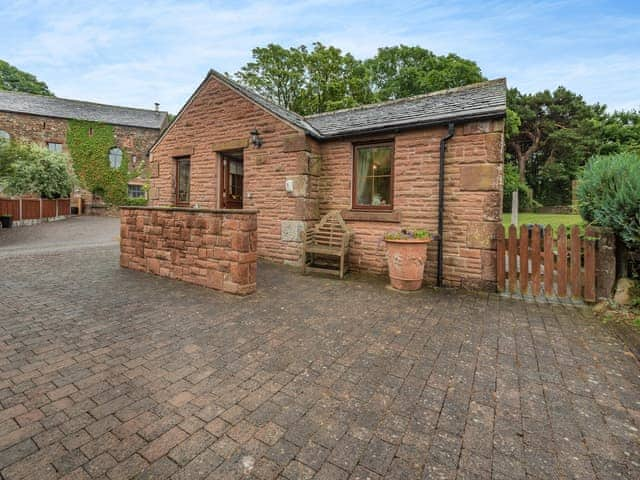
(212, 248)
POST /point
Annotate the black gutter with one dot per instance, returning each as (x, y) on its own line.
(443, 147)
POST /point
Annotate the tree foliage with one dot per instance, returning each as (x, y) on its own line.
(16, 80)
(609, 194)
(30, 168)
(324, 78)
(549, 135)
(557, 133)
(402, 71)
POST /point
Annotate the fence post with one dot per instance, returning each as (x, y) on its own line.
(513, 258)
(562, 261)
(535, 261)
(20, 208)
(589, 265)
(549, 266)
(605, 263)
(524, 259)
(40, 208)
(500, 257)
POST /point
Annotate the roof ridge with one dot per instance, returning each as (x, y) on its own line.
(75, 100)
(447, 91)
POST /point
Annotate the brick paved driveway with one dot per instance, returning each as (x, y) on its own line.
(108, 373)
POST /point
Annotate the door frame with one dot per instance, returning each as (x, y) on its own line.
(177, 161)
(223, 176)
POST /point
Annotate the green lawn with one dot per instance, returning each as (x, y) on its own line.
(553, 219)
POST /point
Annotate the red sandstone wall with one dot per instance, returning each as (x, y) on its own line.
(214, 249)
(219, 119)
(473, 199)
(135, 141)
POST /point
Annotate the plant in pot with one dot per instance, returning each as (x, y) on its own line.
(6, 221)
(406, 256)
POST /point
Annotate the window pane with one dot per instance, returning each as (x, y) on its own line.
(184, 170)
(136, 191)
(115, 157)
(373, 176)
(54, 147)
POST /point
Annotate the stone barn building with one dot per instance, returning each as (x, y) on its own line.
(380, 165)
(44, 120)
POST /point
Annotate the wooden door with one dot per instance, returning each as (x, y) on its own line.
(232, 180)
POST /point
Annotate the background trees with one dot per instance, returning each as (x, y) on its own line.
(324, 78)
(549, 134)
(16, 80)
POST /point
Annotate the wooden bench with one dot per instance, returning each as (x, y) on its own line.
(329, 238)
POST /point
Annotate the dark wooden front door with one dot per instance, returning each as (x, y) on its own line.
(232, 180)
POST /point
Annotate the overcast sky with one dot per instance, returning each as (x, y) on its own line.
(137, 52)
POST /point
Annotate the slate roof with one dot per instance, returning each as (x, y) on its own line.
(79, 110)
(471, 102)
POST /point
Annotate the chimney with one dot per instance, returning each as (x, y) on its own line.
(157, 106)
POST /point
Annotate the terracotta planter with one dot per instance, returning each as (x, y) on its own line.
(406, 262)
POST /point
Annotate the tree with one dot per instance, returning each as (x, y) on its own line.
(620, 132)
(402, 71)
(324, 78)
(276, 73)
(307, 81)
(558, 132)
(334, 80)
(16, 80)
(34, 169)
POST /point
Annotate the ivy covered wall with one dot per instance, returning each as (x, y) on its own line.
(89, 144)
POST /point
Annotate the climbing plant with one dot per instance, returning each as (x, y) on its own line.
(89, 144)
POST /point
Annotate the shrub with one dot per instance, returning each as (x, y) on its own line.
(609, 195)
(408, 234)
(136, 202)
(35, 169)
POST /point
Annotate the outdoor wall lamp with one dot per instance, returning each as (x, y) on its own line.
(256, 141)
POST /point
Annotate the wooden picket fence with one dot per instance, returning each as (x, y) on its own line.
(537, 262)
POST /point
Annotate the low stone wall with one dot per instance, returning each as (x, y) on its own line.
(212, 248)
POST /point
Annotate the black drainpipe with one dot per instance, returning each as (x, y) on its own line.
(443, 148)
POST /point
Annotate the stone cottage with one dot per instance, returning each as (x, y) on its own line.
(44, 120)
(379, 164)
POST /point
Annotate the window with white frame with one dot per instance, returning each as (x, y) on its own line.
(115, 157)
(136, 191)
(54, 147)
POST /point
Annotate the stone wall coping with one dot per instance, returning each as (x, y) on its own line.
(230, 211)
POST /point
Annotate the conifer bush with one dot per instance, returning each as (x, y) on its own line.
(609, 195)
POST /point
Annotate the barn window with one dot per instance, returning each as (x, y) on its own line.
(115, 157)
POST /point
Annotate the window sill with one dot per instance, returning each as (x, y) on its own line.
(370, 216)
